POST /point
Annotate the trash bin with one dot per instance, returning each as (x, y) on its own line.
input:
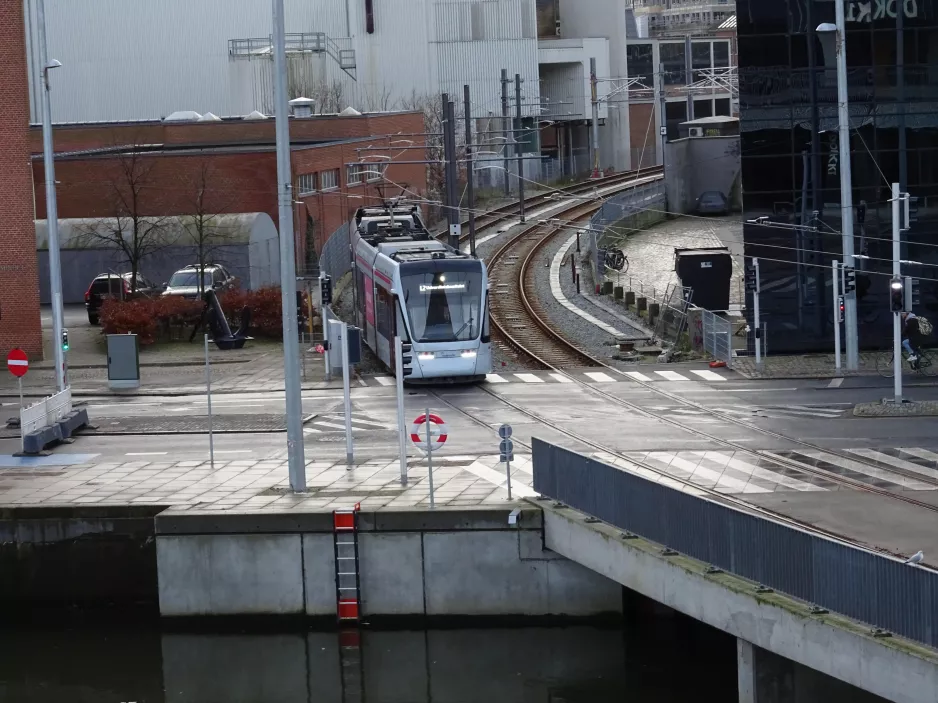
(123, 361)
(708, 271)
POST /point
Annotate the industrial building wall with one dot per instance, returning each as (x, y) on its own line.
(19, 290)
(136, 59)
(605, 18)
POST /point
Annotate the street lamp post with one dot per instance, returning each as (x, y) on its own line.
(52, 210)
(851, 341)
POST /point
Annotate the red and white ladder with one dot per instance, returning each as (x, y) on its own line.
(348, 602)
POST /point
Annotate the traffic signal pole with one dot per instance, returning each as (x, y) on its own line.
(896, 315)
(757, 320)
(401, 431)
(835, 291)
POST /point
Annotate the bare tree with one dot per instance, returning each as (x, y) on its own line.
(202, 223)
(128, 229)
(432, 108)
(378, 99)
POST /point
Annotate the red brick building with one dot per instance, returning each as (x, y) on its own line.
(19, 286)
(234, 164)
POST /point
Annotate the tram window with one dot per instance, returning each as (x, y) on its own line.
(383, 312)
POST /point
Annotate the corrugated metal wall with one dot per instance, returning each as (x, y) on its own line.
(138, 59)
(562, 91)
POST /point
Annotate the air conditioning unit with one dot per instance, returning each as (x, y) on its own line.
(695, 131)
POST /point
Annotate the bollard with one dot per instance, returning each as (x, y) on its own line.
(654, 309)
(629, 298)
(578, 283)
(617, 293)
(573, 267)
(641, 304)
(607, 287)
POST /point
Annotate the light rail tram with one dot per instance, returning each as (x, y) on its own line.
(435, 297)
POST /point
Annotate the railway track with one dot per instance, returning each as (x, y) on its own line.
(505, 213)
(519, 324)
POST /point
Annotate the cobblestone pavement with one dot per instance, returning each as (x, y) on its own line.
(806, 366)
(252, 485)
(651, 252)
(916, 408)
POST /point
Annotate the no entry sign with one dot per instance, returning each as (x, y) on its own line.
(17, 362)
(418, 432)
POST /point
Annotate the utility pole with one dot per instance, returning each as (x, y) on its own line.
(470, 174)
(452, 176)
(594, 100)
(52, 210)
(851, 330)
(518, 151)
(688, 76)
(291, 346)
(505, 128)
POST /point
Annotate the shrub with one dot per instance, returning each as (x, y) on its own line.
(156, 319)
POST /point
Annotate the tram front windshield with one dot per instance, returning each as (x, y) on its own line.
(443, 306)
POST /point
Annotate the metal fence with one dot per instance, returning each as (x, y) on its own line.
(717, 336)
(335, 259)
(672, 317)
(868, 587)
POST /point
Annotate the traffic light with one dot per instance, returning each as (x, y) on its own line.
(861, 212)
(840, 308)
(300, 310)
(325, 289)
(909, 210)
(406, 358)
(751, 278)
(64, 340)
(850, 279)
(896, 295)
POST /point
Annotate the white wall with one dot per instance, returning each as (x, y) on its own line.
(139, 59)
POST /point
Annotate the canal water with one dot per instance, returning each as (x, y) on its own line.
(665, 659)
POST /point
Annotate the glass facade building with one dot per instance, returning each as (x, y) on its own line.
(791, 164)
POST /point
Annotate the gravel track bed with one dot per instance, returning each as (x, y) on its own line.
(585, 334)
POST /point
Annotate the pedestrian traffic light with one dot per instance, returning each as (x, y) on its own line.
(300, 310)
(896, 295)
(861, 212)
(406, 358)
(750, 278)
(850, 279)
(840, 308)
(325, 289)
(64, 340)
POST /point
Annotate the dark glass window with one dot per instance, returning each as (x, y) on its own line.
(700, 57)
(641, 63)
(672, 63)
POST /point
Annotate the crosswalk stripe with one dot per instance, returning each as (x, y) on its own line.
(671, 376)
(334, 425)
(600, 377)
(359, 421)
(708, 375)
(495, 378)
(385, 380)
(560, 378)
(895, 461)
(700, 473)
(759, 471)
(529, 378)
(920, 453)
(311, 430)
(856, 467)
(635, 375)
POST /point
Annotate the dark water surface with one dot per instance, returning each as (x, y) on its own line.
(665, 660)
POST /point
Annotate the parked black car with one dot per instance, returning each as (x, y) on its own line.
(712, 202)
(115, 285)
(185, 282)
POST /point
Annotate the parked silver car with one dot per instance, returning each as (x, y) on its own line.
(185, 282)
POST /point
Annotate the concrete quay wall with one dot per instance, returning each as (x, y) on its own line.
(416, 563)
(763, 622)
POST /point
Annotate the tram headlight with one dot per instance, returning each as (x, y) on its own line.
(425, 356)
(468, 354)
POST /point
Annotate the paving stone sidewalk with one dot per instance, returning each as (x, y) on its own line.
(262, 485)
